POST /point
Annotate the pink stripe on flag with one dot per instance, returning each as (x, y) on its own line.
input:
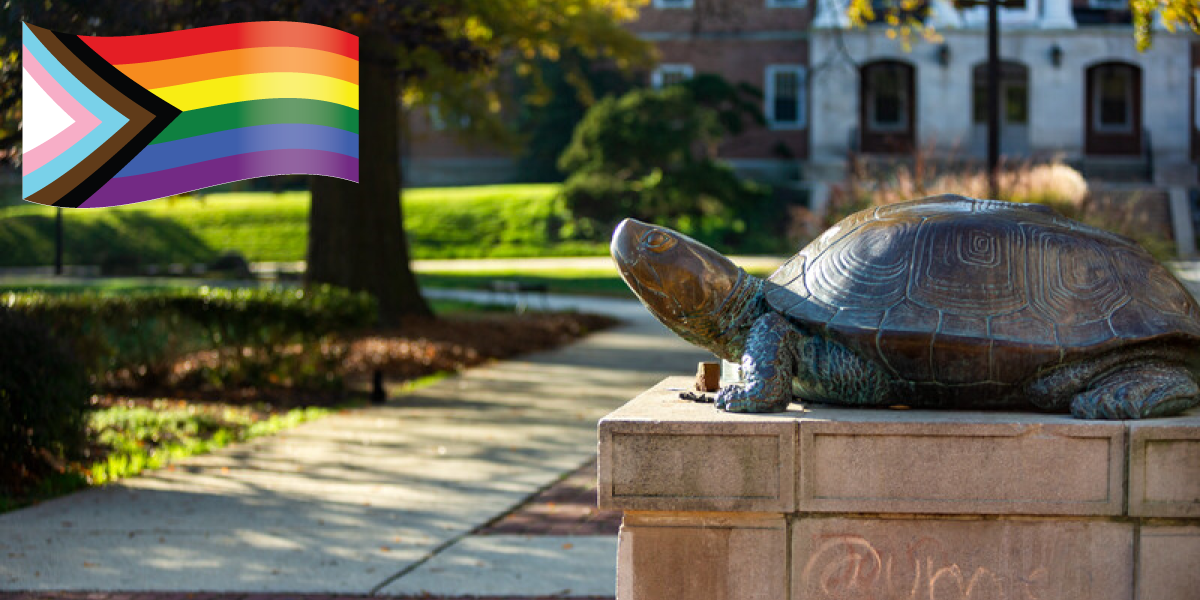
(84, 123)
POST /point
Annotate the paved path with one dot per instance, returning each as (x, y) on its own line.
(379, 500)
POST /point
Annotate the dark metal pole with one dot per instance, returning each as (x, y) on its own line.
(993, 100)
(58, 243)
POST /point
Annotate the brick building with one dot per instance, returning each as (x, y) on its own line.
(760, 42)
(1073, 84)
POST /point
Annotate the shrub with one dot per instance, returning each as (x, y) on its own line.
(43, 402)
(651, 155)
(1053, 184)
(137, 339)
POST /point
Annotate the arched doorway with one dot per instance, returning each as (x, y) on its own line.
(1114, 109)
(887, 107)
(1014, 109)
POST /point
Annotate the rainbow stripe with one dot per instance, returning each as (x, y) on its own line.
(246, 100)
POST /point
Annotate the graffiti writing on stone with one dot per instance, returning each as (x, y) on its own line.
(849, 567)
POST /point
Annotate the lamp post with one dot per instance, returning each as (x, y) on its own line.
(993, 87)
(993, 96)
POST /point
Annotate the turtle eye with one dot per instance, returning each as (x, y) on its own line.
(657, 241)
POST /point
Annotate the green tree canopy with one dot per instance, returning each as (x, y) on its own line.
(652, 155)
(407, 47)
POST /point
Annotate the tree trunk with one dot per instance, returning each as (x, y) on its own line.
(356, 235)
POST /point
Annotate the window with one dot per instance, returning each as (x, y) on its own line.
(672, 3)
(887, 98)
(786, 3)
(784, 100)
(1112, 99)
(667, 75)
(1016, 102)
(1109, 4)
(1014, 94)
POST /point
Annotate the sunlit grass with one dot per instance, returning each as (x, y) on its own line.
(477, 221)
(140, 437)
(130, 439)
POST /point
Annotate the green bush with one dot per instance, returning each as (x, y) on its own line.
(650, 155)
(138, 338)
(44, 397)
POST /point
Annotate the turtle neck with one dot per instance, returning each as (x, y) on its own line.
(723, 331)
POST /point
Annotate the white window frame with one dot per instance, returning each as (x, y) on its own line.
(656, 76)
(669, 4)
(1097, 125)
(787, 3)
(802, 96)
(1109, 4)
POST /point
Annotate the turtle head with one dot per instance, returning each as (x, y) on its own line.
(685, 284)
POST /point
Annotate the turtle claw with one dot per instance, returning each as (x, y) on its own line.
(736, 398)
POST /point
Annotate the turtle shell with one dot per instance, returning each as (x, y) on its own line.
(955, 291)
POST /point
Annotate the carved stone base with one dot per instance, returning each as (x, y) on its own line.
(834, 503)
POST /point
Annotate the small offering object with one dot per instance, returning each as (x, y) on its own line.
(945, 302)
(708, 376)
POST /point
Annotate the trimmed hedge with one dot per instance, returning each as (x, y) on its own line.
(44, 397)
(139, 337)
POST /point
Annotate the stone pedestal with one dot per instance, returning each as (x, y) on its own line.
(833, 503)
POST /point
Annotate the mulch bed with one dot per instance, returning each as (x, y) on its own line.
(417, 348)
(422, 347)
(566, 508)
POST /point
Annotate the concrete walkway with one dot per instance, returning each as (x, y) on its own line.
(378, 500)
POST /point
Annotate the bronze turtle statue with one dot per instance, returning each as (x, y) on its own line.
(944, 302)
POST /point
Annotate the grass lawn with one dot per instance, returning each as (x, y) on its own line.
(480, 221)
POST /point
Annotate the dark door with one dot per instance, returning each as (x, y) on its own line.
(1114, 110)
(887, 101)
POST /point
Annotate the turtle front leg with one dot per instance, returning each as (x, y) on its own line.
(768, 365)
